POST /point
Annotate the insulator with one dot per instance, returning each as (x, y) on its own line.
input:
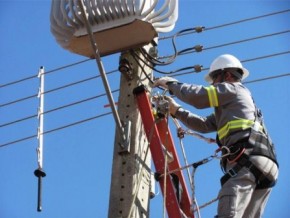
(198, 48)
(197, 68)
(199, 29)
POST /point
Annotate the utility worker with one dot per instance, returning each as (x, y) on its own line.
(250, 167)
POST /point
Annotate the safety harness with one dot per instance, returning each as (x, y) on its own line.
(258, 143)
(261, 180)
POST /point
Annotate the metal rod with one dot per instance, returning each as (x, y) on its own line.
(39, 194)
(39, 172)
(102, 70)
(40, 118)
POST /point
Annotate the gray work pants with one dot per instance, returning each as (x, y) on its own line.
(238, 197)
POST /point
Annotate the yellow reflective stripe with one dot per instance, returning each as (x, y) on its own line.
(212, 96)
(234, 125)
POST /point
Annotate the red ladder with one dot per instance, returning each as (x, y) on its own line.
(158, 135)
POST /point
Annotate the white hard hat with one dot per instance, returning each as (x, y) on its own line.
(225, 61)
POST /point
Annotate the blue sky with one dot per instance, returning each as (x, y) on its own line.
(78, 159)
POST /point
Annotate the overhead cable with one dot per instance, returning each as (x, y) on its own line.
(56, 129)
(267, 78)
(197, 68)
(227, 24)
(185, 32)
(53, 90)
(243, 61)
(47, 72)
(105, 114)
(56, 109)
(194, 48)
(18, 100)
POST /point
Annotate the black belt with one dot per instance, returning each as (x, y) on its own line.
(261, 180)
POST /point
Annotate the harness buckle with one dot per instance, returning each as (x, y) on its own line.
(232, 173)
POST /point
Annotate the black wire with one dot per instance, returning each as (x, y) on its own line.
(163, 72)
(142, 68)
(101, 115)
(171, 59)
(228, 24)
(267, 78)
(55, 89)
(50, 71)
(56, 109)
(187, 31)
(150, 65)
(243, 61)
(174, 73)
(18, 121)
(192, 49)
(18, 100)
(247, 19)
(56, 129)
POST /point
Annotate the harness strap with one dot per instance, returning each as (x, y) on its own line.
(261, 180)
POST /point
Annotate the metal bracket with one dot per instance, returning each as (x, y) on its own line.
(125, 144)
(126, 68)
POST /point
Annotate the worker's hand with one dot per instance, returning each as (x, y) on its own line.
(163, 82)
(173, 106)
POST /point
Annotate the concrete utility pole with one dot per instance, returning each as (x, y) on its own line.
(131, 174)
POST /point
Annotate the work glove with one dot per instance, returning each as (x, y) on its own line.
(163, 82)
(173, 106)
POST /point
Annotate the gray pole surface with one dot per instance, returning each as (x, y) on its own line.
(131, 174)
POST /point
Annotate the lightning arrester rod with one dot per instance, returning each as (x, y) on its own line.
(102, 71)
(39, 171)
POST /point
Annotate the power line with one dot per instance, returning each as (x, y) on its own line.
(56, 129)
(18, 100)
(267, 78)
(248, 19)
(108, 113)
(243, 61)
(174, 73)
(56, 109)
(185, 52)
(249, 39)
(50, 71)
(53, 90)
(227, 24)
(183, 32)
(194, 49)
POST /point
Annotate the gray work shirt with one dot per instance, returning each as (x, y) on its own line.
(234, 109)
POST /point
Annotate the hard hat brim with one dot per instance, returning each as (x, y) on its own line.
(208, 77)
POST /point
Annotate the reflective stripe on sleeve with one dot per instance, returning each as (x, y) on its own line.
(212, 96)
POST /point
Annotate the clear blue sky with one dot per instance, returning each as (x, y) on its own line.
(78, 159)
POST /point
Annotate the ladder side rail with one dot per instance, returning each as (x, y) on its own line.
(144, 105)
(168, 142)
